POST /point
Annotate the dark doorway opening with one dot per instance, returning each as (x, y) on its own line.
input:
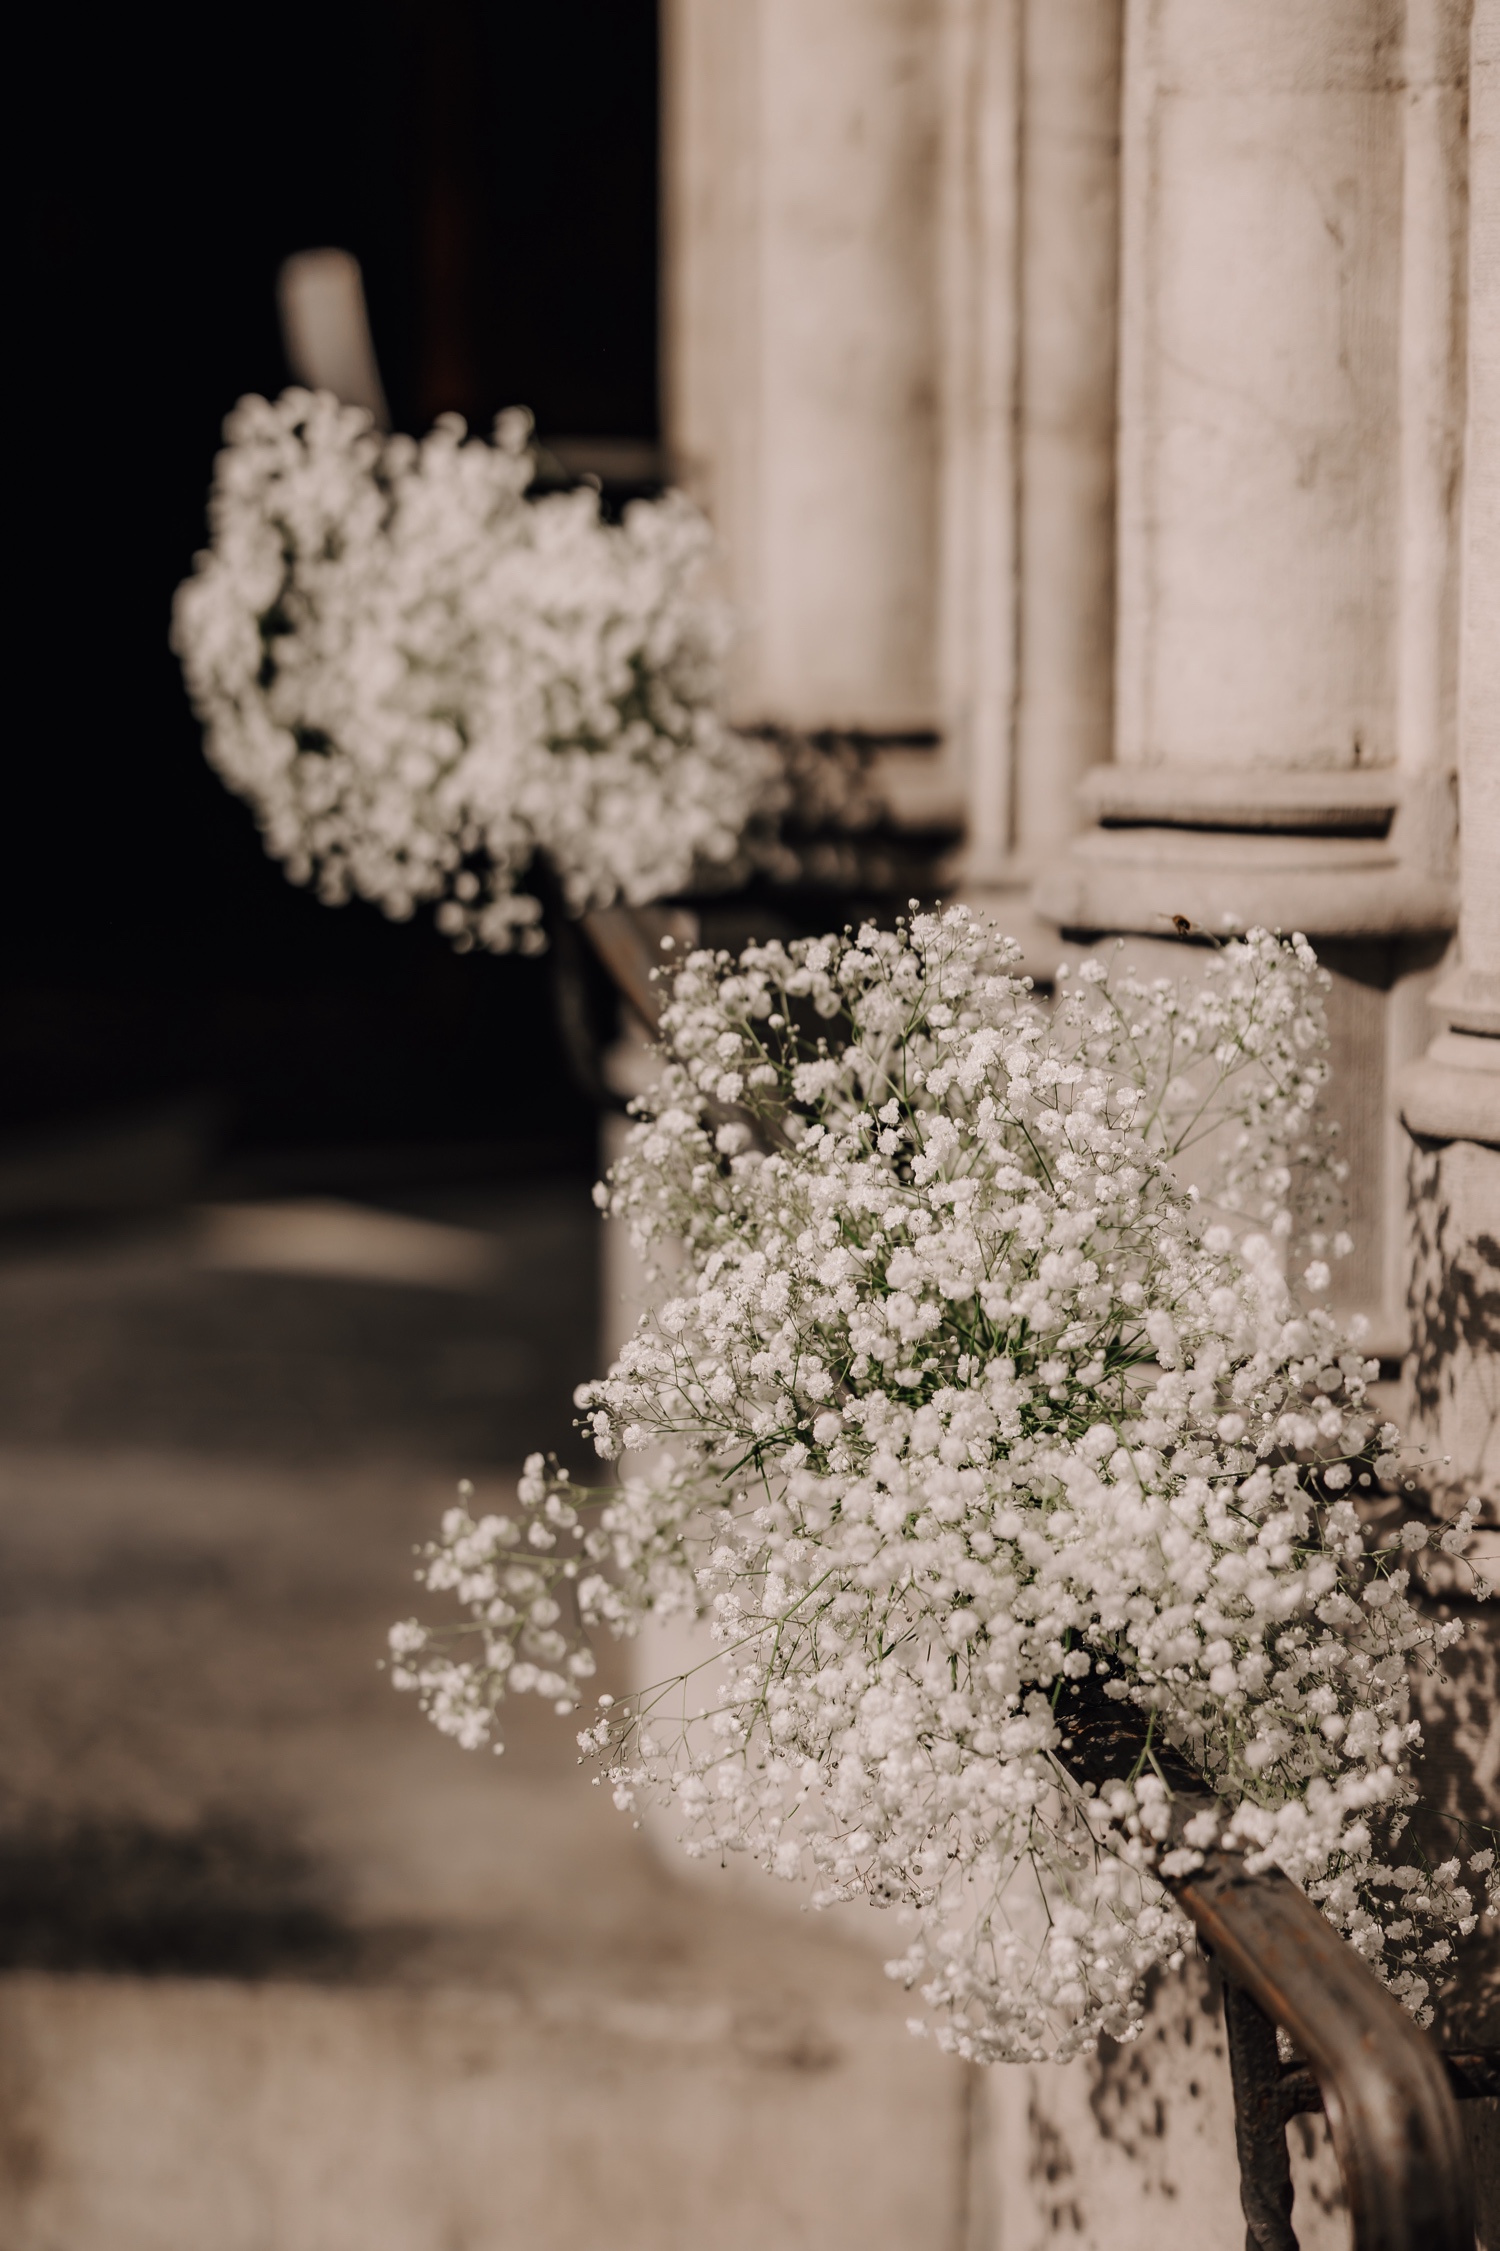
(494, 167)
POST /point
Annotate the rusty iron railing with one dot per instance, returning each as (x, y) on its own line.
(1390, 2098)
(1388, 2095)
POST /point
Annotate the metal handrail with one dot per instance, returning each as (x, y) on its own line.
(628, 942)
(1473, 2076)
(1390, 2108)
(1382, 2084)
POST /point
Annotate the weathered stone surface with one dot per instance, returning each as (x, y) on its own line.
(1134, 2149)
(167, 2116)
(801, 375)
(283, 1967)
(1299, 502)
(1454, 1376)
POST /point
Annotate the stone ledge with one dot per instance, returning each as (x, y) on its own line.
(1468, 1000)
(1287, 800)
(1347, 855)
(1137, 880)
(1452, 1093)
(164, 2115)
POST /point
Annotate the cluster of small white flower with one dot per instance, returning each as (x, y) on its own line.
(1018, 1484)
(421, 679)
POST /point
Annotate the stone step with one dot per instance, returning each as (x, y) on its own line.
(173, 2115)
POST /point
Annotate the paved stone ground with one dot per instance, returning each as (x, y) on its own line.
(211, 1484)
(284, 1971)
(228, 1849)
(130, 1337)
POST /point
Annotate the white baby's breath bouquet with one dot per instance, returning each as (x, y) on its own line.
(423, 680)
(1018, 1483)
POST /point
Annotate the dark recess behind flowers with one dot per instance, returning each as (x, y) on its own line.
(494, 167)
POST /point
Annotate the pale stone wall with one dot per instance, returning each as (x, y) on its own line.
(1208, 275)
(801, 375)
(1450, 1100)
(1290, 435)
(1135, 2150)
(1259, 490)
(890, 369)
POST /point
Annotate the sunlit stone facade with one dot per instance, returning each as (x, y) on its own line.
(1112, 391)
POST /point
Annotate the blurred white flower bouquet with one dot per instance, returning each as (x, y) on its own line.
(1017, 1483)
(422, 680)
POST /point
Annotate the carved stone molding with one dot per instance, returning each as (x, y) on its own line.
(1338, 855)
(1452, 1093)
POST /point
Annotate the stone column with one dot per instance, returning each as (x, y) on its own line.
(892, 251)
(978, 238)
(800, 353)
(1030, 248)
(1450, 1099)
(1070, 176)
(1290, 440)
(1290, 424)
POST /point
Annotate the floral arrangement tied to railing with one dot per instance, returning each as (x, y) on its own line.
(982, 1436)
(428, 683)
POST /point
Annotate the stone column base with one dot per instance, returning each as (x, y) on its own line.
(1357, 860)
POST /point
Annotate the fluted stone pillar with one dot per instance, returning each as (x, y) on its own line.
(978, 236)
(1030, 226)
(1069, 283)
